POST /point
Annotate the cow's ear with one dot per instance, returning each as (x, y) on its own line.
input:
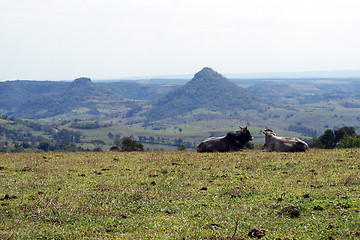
(264, 132)
(240, 128)
(244, 129)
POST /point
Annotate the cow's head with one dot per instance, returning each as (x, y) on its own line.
(268, 133)
(245, 133)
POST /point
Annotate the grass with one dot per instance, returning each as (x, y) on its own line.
(180, 195)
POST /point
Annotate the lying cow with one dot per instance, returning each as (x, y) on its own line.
(274, 143)
(233, 141)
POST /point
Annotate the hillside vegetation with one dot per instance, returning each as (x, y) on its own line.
(15, 93)
(180, 195)
(81, 96)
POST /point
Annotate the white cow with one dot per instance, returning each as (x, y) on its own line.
(274, 143)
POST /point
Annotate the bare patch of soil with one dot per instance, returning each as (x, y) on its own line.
(292, 211)
(319, 208)
(306, 195)
(257, 233)
(8, 197)
(226, 237)
(236, 195)
(211, 226)
(58, 220)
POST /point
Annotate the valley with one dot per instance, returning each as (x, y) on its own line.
(167, 113)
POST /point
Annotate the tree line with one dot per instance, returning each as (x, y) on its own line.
(344, 137)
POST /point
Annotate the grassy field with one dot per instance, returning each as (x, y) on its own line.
(191, 132)
(180, 195)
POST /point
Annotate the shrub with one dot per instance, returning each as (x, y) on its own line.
(44, 145)
(249, 145)
(114, 148)
(127, 144)
(181, 148)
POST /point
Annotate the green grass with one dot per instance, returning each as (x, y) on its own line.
(177, 195)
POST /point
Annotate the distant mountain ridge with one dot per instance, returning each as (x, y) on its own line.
(208, 90)
(183, 78)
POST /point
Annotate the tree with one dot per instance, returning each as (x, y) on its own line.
(328, 139)
(110, 135)
(344, 131)
(344, 137)
(127, 144)
(44, 145)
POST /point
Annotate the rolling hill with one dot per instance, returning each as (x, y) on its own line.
(81, 97)
(15, 93)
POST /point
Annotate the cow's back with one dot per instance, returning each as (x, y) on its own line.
(279, 144)
(213, 144)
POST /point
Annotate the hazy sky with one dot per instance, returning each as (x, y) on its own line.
(104, 39)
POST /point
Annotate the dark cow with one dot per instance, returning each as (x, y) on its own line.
(274, 143)
(233, 141)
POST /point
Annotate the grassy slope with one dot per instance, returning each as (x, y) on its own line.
(163, 195)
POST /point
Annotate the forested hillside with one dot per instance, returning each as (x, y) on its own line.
(137, 91)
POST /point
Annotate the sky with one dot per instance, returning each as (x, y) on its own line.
(113, 39)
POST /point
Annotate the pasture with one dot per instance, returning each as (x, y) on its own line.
(180, 195)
